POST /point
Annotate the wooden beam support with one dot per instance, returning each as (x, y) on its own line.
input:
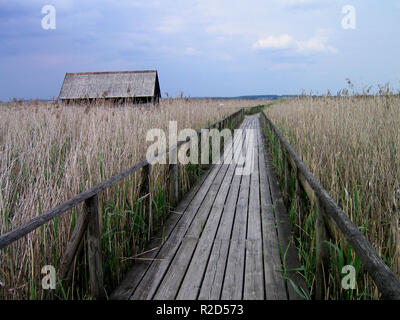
(145, 192)
(287, 180)
(173, 184)
(322, 254)
(73, 247)
(91, 206)
(299, 203)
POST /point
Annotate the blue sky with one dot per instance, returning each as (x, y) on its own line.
(202, 48)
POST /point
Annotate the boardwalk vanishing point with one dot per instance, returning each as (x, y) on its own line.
(225, 240)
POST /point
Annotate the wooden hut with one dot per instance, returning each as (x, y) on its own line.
(118, 86)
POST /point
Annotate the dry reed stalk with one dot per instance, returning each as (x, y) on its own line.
(352, 145)
(50, 152)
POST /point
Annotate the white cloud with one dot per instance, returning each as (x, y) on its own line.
(283, 41)
(318, 43)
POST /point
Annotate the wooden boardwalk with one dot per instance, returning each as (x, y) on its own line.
(223, 239)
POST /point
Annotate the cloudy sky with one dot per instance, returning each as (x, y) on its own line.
(201, 47)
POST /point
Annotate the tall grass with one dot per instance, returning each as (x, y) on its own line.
(50, 152)
(351, 144)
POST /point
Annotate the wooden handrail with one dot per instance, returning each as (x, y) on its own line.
(36, 222)
(384, 278)
(88, 223)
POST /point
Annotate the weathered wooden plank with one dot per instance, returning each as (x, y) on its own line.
(150, 281)
(254, 273)
(214, 276)
(274, 282)
(193, 278)
(200, 219)
(194, 230)
(192, 216)
(134, 276)
(212, 284)
(94, 248)
(228, 216)
(155, 265)
(176, 271)
(233, 282)
(198, 224)
(254, 218)
(232, 287)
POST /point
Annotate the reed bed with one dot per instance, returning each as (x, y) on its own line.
(49, 152)
(351, 144)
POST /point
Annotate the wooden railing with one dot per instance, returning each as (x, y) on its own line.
(89, 223)
(327, 211)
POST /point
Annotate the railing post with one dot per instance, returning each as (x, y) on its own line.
(199, 142)
(322, 253)
(299, 201)
(287, 179)
(281, 159)
(91, 207)
(146, 192)
(173, 183)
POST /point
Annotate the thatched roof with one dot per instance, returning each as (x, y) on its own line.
(119, 84)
